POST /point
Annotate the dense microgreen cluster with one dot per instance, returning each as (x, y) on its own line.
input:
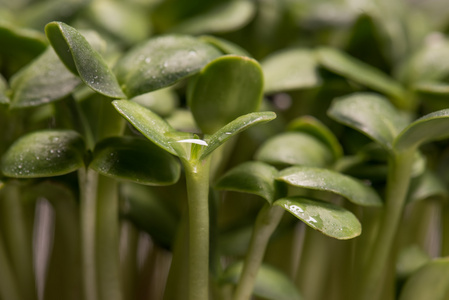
(150, 150)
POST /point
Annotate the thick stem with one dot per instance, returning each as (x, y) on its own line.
(400, 166)
(267, 221)
(197, 177)
(88, 181)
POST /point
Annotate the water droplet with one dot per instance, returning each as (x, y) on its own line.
(147, 60)
(20, 166)
(192, 52)
(52, 151)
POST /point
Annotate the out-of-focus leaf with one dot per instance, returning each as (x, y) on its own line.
(225, 46)
(333, 182)
(432, 88)
(44, 80)
(410, 259)
(356, 70)
(426, 186)
(433, 126)
(270, 283)
(163, 101)
(255, 178)
(294, 148)
(428, 282)
(330, 219)
(83, 60)
(290, 70)
(233, 128)
(3, 90)
(228, 16)
(162, 61)
(44, 154)
(226, 88)
(371, 114)
(135, 159)
(147, 210)
(148, 123)
(314, 127)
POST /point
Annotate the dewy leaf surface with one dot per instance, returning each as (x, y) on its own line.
(226, 88)
(44, 153)
(270, 283)
(347, 66)
(428, 282)
(235, 127)
(330, 219)
(331, 181)
(254, 178)
(294, 148)
(371, 114)
(80, 58)
(148, 123)
(290, 70)
(135, 159)
(434, 126)
(162, 61)
(44, 80)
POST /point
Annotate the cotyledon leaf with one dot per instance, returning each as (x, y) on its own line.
(255, 178)
(44, 153)
(225, 46)
(148, 123)
(135, 159)
(328, 218)
(371, 114)
(233, 128)
(331, 181)
(80, 58)
(433, 126)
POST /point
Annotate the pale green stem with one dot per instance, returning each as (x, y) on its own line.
(266, 223)
(9, 288)
(88, 181)
(197, 177)
(398, 180)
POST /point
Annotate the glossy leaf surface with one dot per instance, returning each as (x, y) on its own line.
(148, 123)
(226, 88)
(44, 153)
(356, 70)
(294, 148)
(331, 181)
(80, 58)
(434, 126)
(316, 128)
(162, 61)
(330, 219)
(135, 159)
(370, 114)
(235, 127)
(270, 283)
(428, 282)
(44, 80)
(255, 178)
(290, 70)
(226, 17)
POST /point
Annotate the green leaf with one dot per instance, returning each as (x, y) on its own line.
(148, 123)
(163, 101)
(328, 218)
(314, 127)
(431, 127)
(370, 114)
(225, 17)
(162, 61)
(80, 58)
(135, 159)
(255, 178)
(333, 182)
(233, 128)
(428, 282)
(44, 80)
(149, 212)
(347, 66)
(228, 87)
(225, 46)
(44, 153)
(294, 148)
(3, 90)
(291, 69)
(428, 185)
(270, 283)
